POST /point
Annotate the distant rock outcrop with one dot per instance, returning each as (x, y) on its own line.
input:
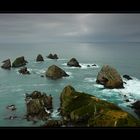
(6, 64)
(38, 105)
(51, 56)
(24, 70)
(127, 77)
(54, 72)
(109, 77)
(73, 63)
(82, 109)
(39, 58)
(19, 62)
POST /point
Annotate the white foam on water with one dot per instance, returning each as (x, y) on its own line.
(39, 85)
(132, 88)
(89, 79)
(98, 86)
(85, 66)
(55, 114)
(64, 64)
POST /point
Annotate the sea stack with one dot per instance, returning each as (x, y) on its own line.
(39, 105)
(19, 62)
(73, 63)
(51, 56)
(109, 77)
(6, 64)
(54, 72)
(39, 58)
(24, 70)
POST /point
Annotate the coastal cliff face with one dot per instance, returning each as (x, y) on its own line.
(82, 109)
(109, 77)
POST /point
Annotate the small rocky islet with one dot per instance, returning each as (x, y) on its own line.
(76, 108)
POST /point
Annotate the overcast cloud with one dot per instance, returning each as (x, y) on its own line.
(69, 27)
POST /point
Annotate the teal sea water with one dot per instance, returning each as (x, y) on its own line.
(13, 86)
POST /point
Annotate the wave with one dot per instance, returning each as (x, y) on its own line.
(55, 114)
(89, 79)
(83, 66)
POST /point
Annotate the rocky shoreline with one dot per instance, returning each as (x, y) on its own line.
(77, 109)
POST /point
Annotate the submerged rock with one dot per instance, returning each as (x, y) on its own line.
(51, 56)
(38, 105)
(39, 58)
(24, 71)
(6, 64)
(11, 107)
(19, 62)
(109, 77)
(82, 109)
(127, 77)
(73, 63)
(54, 72)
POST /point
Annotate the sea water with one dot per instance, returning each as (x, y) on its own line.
(13, 86)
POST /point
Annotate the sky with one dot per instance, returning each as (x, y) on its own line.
(88, 27)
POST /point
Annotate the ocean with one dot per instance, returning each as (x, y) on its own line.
(124, 56)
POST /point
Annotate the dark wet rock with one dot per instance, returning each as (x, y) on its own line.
(6, 64)
(11, 117)
(73, 63)
(82, 109)
(39, 105)
(41, 75)
(11, 107)
(109, 77)
(19, 62)
(39, 58)
(94, 65)
(53, 123)
(24, 71)
(88, 65)
(124, 82)
(127, 100)
(54, 72)
(51, 56)
(127, 77)
(136, 106)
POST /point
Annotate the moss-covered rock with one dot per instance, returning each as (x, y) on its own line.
(54, 72)
(19, 62)
(82, 109)
(109, 77)
(38, 105)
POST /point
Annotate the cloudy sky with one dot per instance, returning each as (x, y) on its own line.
(69, 27)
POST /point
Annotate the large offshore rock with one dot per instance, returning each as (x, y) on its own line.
(39, 58)
(19, 62)
(82, 109)
(6, 64)
(38, 105)
(51, 56)
(109, 77)
(73, 63)
(54, 72)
